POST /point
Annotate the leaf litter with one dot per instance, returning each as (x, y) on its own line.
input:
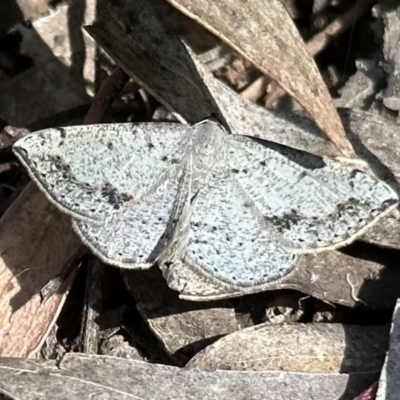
(357, 280)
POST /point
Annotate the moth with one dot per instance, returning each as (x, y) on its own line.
(237, 209)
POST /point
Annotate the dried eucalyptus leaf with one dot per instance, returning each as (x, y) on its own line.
(80, 376)
(311, 348)
(269, 39)
(180, 325)
(24, 319)
(139, 42)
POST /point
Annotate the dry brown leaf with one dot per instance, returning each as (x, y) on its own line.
(311, 348)
(35, 240)
(266, 36)
(181, 326)
(80, 376)
(146, 50)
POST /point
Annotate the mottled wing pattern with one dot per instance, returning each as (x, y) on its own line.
(91, 171)
(232, 207)
(228, 239)
(312, 204)
(136, 235)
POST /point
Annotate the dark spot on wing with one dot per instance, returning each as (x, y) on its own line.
(115, 198)
(61, 166)
(63, 132)
(284, 222)
(350, 204)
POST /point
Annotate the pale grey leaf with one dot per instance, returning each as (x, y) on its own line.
(80, 376)
(317, 348)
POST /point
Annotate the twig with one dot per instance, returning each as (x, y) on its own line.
(318, 43)
(104, 98)
(256, 89)
(353, 292)
(92, 305)
(54, 284)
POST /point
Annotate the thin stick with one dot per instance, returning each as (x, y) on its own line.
(104, 98)
(315, 45)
